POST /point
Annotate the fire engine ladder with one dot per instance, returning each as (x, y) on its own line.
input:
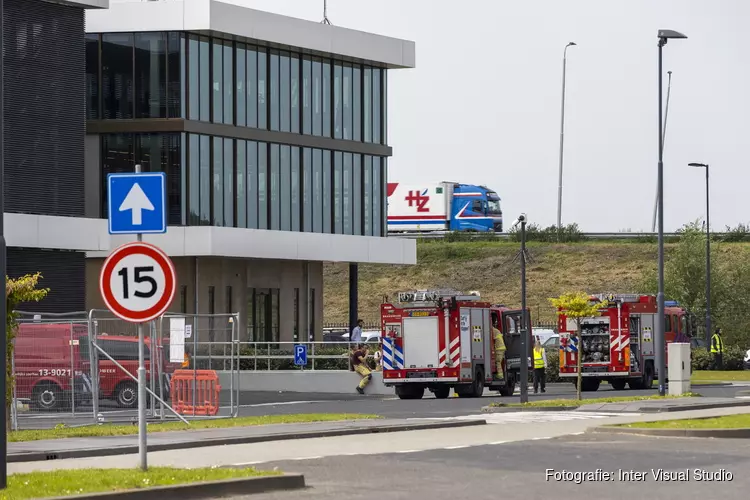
(635, 344)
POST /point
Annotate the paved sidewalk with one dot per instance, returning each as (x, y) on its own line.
(53, 449)
(666, 405)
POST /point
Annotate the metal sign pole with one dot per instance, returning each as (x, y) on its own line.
(142, 446)
(3, 312)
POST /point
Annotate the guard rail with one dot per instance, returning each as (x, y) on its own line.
(591, 236)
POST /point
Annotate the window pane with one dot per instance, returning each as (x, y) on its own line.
(357, 103)
(338, 115)
(173, 166)
(218, 74)
(338, 165)
(317, 198)
(262, 89)
(117, 76)
(295, 94)
(384, 101)
(117, 156)
(285, 180)
(241, 178)
(346, 193)
(175, 78)
(241, 90)
(195, 178)
(205, 180)
(376, 197)
(228, 182)
(347, 102)
(273, 79)
(327, 191)
(368, 105)
(228, 84)
(218, 182)
(367, 198)
(284, 93)
(92, 76)
(295, 189)
(317, 95)
(252, 184)
(252, 87)
(307, 190)
(357, 195)
(262, 185)
(193, 79)
(205, 77)
(376, 102)
(274, 187)
(326, 99)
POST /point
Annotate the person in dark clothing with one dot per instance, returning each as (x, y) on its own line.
(359, 362)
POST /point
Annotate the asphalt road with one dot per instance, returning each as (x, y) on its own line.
(520, 470)
(285, 403)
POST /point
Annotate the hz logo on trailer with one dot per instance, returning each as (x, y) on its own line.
(420, 199)
(138, 282)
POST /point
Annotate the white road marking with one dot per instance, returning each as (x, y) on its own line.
(528, 417)
(456, 447)
(497, 442)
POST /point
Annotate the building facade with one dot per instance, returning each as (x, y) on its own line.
(43, 139)
(273, 134)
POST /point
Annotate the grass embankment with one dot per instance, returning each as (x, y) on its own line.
(726, 422)
(87, 481)
(127, 430)
(575, 402)
(487, 266)
(720, 376)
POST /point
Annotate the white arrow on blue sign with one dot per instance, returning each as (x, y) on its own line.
(300, 355)
(137, 203)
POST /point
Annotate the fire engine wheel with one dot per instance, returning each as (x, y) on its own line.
(509, 389)
(588, 384)
(409, 391)
(618, 384)
(442, 392)
(48, 396)
(126, 395)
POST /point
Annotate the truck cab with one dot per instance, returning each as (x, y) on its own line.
(475, 208)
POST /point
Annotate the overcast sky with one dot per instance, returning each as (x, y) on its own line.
(483, 104)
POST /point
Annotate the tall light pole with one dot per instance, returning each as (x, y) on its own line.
(3, 303)
(562, 140)
(524, 368)
(708, 261)
(663, 135)
(660, 347)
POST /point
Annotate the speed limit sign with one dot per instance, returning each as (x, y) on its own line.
(138, 282)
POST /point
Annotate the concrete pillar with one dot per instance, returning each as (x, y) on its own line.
(353, 295)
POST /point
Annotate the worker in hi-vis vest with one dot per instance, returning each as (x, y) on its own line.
(540, 363)
(717, 349)
(499, 349)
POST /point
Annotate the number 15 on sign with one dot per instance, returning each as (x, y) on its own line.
(138, 282)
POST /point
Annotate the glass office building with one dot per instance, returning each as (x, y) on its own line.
(273, 134)
(224, 175)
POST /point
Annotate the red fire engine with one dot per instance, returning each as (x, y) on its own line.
(618, 345)
(442, 339)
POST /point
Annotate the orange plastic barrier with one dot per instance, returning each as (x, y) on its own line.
(207, 390)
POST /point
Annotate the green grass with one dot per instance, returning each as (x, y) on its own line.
(62, 432)
(86, 481)
(726, 422)
(719, 376)
(575, 402)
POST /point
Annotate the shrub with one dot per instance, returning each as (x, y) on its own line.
(734, 356)
(534, 232)
(553, 365)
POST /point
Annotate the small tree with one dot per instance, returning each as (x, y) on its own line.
(576, 306)
(17, 291)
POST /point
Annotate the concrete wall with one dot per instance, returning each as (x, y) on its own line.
(328, 382)
(241, 275)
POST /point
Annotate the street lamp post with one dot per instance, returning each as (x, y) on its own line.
(708, 261)
(524, 355)
(562, 140)
(663, 35)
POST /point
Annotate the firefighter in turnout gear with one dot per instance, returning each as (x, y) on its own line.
(499, 349)
(717, 349)
(359, 361)
(540, 363)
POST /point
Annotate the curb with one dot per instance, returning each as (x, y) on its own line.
(206, 490)
(514, 409)
(702, 433)
(704, 406)
(712, 384)
(133, 449)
